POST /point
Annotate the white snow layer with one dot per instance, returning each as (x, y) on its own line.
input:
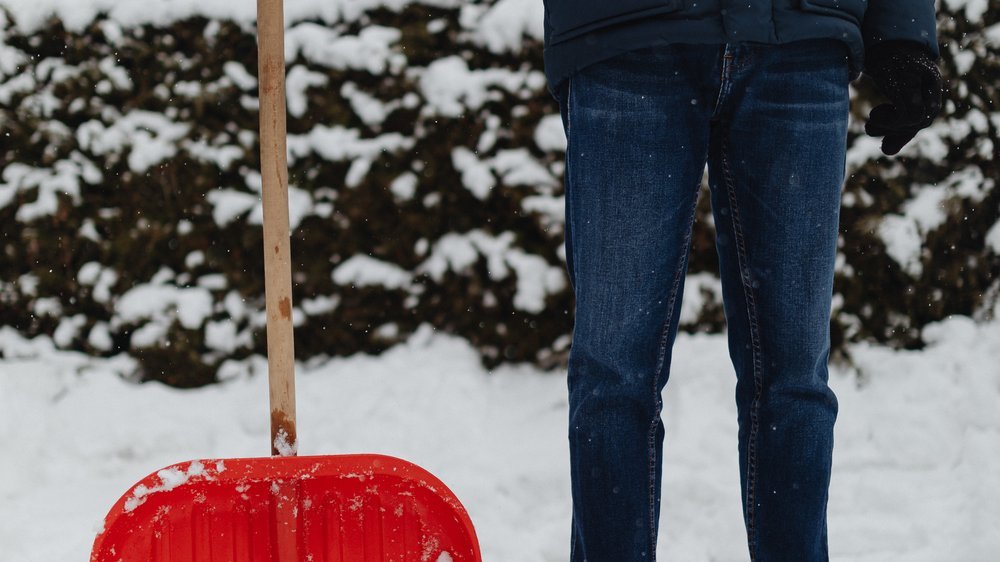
(914, 462)
(536, 278)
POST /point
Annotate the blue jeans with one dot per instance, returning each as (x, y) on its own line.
(771, 122)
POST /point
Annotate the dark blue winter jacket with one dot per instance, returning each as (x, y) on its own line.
(581, 32)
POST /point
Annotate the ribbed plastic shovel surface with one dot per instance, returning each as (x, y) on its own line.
(339, 508)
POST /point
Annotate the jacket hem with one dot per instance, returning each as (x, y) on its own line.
(564, 58)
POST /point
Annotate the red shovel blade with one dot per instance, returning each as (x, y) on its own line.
(343, 508)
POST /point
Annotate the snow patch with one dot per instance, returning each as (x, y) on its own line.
(362, 270)
(170, 478)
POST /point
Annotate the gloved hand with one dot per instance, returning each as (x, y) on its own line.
(906, 74)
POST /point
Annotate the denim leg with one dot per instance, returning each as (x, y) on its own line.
(637, 130)
(776, 167)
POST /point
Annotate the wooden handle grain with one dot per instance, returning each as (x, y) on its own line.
(277, 247)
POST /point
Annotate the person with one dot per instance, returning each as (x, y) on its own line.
(648, 92)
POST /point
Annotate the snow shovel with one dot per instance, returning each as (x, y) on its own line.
(285, 508)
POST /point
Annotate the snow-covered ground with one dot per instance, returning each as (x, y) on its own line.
(917, 455)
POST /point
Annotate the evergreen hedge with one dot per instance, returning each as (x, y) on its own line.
(129, 194)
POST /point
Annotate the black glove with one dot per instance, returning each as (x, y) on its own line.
(906, 74)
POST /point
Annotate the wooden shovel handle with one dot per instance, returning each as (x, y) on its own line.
(277, 247)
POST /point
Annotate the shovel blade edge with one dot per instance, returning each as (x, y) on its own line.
(340, 508)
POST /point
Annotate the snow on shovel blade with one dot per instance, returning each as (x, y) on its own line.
(343, 508)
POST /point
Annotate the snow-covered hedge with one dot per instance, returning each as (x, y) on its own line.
(426, 162)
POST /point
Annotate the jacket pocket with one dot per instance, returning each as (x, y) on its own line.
(851, 10)
(570, 18)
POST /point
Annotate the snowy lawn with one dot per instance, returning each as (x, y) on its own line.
(917, 455)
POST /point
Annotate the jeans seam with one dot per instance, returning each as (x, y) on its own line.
(570, 265)
(723, 74)
(569, 85)
(755, 345)
(567, 245)
(660, 359)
